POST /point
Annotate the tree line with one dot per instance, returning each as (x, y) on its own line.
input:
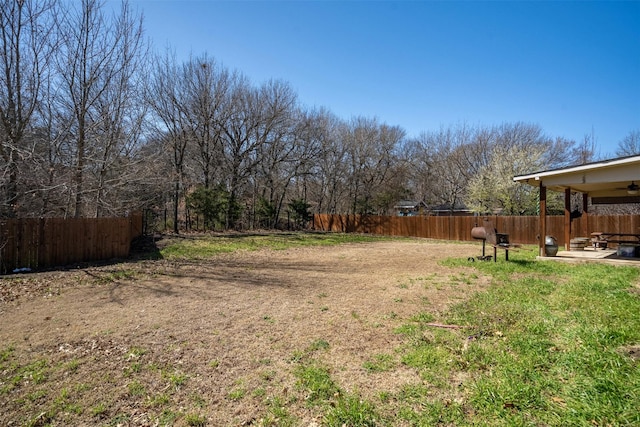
(95, 123)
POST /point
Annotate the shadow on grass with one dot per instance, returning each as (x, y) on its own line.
(524, 263)
(145, 248)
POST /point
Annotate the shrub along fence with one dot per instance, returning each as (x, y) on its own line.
(37, 243)
(521, 229)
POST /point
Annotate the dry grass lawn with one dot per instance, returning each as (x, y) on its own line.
(215, 342)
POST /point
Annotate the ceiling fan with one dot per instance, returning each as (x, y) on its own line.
(632, 189)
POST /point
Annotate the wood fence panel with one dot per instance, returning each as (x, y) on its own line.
(579, 228)
(78, 233)
(94, 248)
(7, 242)
(521, 229)
(31, 231)
(49, 242)
(112, 234)
(462, 227)
(427, 227)
(408, 226)
(441, 227)
(413, 225)
(65, 235)
(48, 245)
(403, 227)
(104, 239)
(555, 228)
(328, 225)
(22, 243)
(126, 236)
(392, 226)
(136, 222)
(371, 225)
(342, 223)
(386, 225)
(615, 223)
(423, 227)
(349, 223)
(417, 225)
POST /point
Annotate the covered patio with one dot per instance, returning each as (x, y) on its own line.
(614, 181)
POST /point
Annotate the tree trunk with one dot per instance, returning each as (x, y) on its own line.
(176, 201)
(79, 173)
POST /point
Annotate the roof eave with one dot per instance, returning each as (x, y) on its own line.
(535, 179)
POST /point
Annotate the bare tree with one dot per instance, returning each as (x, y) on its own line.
(630, 144)
(121, 114)
(208, 85)
(243, 132)
(463, 165)
(166, 97)
(98, 60)
(50, 163)
(370, 149)
(310, 133)
(384, 178)
(72, 88)
(328, 179)
(583, 153)
(447, 160)
(27, 42)
(281, 151)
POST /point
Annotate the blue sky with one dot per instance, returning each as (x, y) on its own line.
(571, 67)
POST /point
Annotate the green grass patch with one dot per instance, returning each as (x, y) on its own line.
(542, 346)
(158, 400)
(379, 363)
(13, 375)
(168, 417)
(340, 408)
(195, 420)
(6, 354)
(237, 393)
(99, 410)
(319, 344)
(136, 388)
(278, 414)
(176, 378)
(352, 411)
(316, 379)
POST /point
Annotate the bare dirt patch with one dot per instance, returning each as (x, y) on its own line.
(161, 342)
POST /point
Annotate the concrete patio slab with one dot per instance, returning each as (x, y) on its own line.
(606, 256)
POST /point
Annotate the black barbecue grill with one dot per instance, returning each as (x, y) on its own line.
(497, 240)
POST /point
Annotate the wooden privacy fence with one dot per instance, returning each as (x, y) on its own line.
(37, 243)
(521, 229)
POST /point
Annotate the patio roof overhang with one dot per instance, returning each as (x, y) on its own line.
(605, 179)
